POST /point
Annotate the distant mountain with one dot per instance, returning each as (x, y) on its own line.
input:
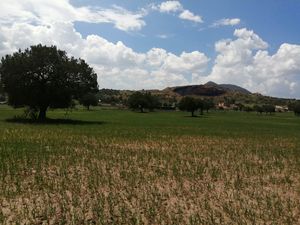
(210, 89)
(236, 88)
(210, 83)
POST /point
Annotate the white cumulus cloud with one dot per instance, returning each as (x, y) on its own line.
(187, 15)
(176, 6)
(37, 11)
(170, 6)
(227, 22)
(245, 61)
(23, 24)
(117, 65)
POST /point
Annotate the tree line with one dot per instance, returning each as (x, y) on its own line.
(141, 101)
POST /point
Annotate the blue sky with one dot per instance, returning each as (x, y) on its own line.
(275, 21)
(156, 44)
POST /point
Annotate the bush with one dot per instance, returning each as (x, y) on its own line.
(297, 108)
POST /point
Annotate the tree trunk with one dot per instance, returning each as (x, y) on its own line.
(192, 113)
(88, 108)
(142, 109)
(42, 113)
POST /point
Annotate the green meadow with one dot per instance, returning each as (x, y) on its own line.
(110, 166)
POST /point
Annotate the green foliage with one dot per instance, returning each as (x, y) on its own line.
(229, 101)
(208, 104)
(201, 105)
(141, 101)
(268, 108)
(248, 108)
(1, 86)
(240, 106)
(291, 105)
(264, 108)
(258, 109)
(297, 108)
(41, 77)
(88, 100)
(2, 98)
(32, 113)
(191, 104)
(110, 96)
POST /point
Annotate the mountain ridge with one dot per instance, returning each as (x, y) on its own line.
(209, 89)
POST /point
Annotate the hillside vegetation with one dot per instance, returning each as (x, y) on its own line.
(226, 93)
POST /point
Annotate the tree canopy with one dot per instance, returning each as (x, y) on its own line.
(297, 108)
(268, 108)
(191, 104)
(88, 100)
(208, 104)
(141, 101)
(41, 77)
(258, 109)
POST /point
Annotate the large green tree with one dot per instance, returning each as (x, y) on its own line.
(88, 100)
(142, 101)
(191, 105)
(43, 77)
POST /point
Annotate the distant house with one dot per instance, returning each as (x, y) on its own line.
(222, 105)
(279, 108)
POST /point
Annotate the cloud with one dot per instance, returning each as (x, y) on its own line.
(227, 22)
(120, 17)
(193, 62)
(245, 61)
(47, 12)
(164, 36)
(187, 15)
(239, 51)
(117, 65)
(176, 6)
(170, 6)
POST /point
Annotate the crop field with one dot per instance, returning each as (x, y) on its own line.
(111, 166)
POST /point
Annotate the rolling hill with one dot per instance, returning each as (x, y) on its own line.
(210, 89)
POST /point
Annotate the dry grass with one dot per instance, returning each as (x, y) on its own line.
(182, 180)
(64, 177)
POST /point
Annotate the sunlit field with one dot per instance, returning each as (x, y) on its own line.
(121, 167)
